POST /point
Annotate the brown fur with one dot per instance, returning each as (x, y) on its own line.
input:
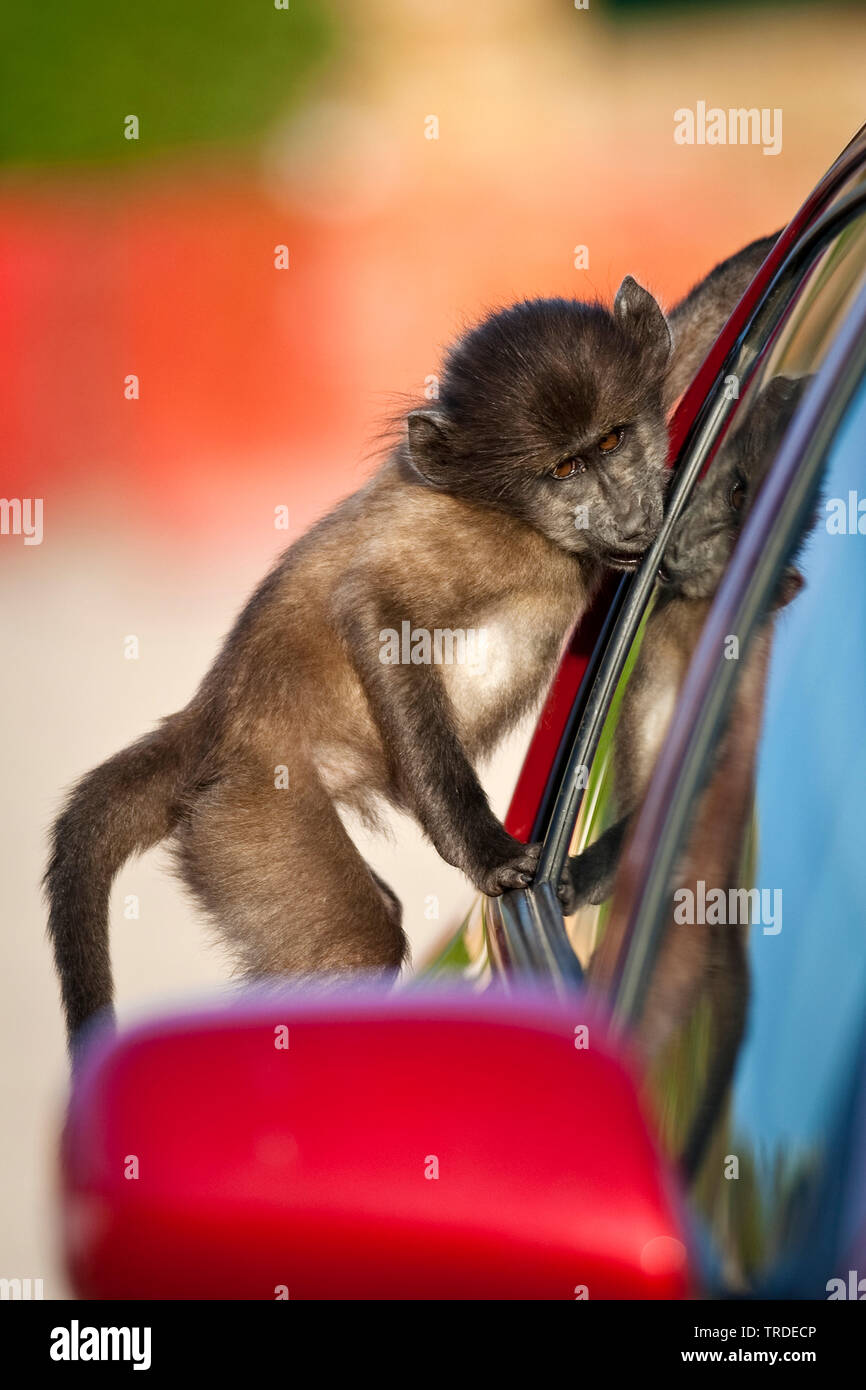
(311, 709)
(464, 527)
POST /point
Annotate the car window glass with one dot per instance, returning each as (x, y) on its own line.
(714, 1010)
(757, 1003)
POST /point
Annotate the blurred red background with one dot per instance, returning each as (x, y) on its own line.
(261, 386)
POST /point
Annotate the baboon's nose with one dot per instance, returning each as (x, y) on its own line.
(641, 522)
(642, 531)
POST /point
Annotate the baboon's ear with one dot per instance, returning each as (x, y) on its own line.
(428, 438)
(640, 313)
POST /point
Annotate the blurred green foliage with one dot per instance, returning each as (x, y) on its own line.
(195, 72)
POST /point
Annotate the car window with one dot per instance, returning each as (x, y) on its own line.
(758, 1000)
(737, 1025)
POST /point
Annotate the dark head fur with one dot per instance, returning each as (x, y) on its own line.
(539, 384)
(707, 531)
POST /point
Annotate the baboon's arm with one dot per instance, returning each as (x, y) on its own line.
(429, 767)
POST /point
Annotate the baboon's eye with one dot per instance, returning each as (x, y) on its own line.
(568, 468)
(737, 495)
(610, 441)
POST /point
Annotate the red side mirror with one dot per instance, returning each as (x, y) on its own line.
(417, 1145)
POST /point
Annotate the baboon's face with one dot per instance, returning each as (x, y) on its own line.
(552, 411)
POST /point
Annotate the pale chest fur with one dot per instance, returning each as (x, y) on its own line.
(510, 661)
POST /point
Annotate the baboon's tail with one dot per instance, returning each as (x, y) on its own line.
(122, 807)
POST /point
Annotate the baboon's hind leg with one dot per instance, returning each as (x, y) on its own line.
(280, 877)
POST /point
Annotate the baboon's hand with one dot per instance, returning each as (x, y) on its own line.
(571, 892)
(589, 877)
(583, 882)
(515, 869)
